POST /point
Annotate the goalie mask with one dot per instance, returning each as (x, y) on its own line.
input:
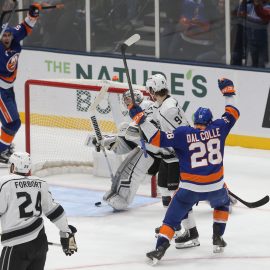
(203, 116)
(156, 83)
(127, 100)
(21, 162)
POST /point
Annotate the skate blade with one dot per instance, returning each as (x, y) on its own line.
(218, 249)
(152, 261)
(189, 244)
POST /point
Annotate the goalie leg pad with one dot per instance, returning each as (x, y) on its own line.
(130, 174)
(117, 202)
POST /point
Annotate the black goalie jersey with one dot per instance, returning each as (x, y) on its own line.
(23, 200)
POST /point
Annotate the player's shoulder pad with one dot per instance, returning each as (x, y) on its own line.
(168, 104)
(182, 129)
(7, 178)
(145, 104)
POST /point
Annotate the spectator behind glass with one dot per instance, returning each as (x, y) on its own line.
(199, 27)
(61, 28)
(253, 33)
(263, 11)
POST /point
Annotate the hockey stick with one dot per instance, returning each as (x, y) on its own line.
(9, 18)
(58, 6)
(49, 243)
(130, 41)
(94, 122)
(256, 204)
(4, 13)
(54, 244)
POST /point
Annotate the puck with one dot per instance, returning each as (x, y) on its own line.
(98, 204)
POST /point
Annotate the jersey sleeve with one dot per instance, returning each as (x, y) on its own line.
(53, 210)
(160, 138)
(3, 199)
(24, 29)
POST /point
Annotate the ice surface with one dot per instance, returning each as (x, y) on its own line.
(119, 241)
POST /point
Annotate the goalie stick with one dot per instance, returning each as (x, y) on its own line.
(256, 204)
(94, 122)
(130, 41)
(12, 11)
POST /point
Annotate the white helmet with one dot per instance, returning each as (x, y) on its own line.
(21, 161)
(157, 82)
(138, 96)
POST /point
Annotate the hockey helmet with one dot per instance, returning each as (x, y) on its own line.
(156, 83)
(203, 116)
(138, 96)
(21, 162)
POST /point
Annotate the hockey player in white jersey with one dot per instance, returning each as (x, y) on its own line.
(169, 115)
(23, 200)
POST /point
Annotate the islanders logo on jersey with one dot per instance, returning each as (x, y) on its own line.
(12, 62)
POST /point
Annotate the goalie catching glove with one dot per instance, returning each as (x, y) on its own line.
(226, 87)
(68, 242)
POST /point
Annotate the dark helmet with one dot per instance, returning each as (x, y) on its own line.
(203, 116)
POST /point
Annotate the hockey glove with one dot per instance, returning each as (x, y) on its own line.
(136, 113)
(68, 242)
(34, 10)
(96, 144)
(226, 87)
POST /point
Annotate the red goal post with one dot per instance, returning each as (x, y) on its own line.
(57, 121)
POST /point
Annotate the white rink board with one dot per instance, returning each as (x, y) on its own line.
(190, 82)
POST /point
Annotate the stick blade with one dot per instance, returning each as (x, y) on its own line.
(133, 39)
(130, 41)
(259, 203)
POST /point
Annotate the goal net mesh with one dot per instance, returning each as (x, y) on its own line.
(57, 119)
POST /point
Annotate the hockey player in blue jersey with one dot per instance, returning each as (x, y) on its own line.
(10, 49)
(200, 151)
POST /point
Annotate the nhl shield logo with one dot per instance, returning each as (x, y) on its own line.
(12, 62)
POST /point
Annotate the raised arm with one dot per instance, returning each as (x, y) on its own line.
(25, 28)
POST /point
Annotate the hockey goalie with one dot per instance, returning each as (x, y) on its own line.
(133, 170)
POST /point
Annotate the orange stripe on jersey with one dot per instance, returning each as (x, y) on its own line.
(28, 28)
(156, 139)
(202, 178)
(220, 215)
(6, 137)
(167, 231)
(5, 112)
(10, 79)
(232, 111)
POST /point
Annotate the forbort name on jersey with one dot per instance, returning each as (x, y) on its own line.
(204, 135)
(25, 184)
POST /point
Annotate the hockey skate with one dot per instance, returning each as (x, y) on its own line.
(156, 255)
(188, 239)
(4, 158)
(218, 243)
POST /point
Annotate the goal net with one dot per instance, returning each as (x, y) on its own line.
(57, 121)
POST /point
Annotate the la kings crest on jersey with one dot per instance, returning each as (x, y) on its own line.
(169, 115)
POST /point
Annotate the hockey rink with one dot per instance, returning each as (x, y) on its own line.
(119, 241)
